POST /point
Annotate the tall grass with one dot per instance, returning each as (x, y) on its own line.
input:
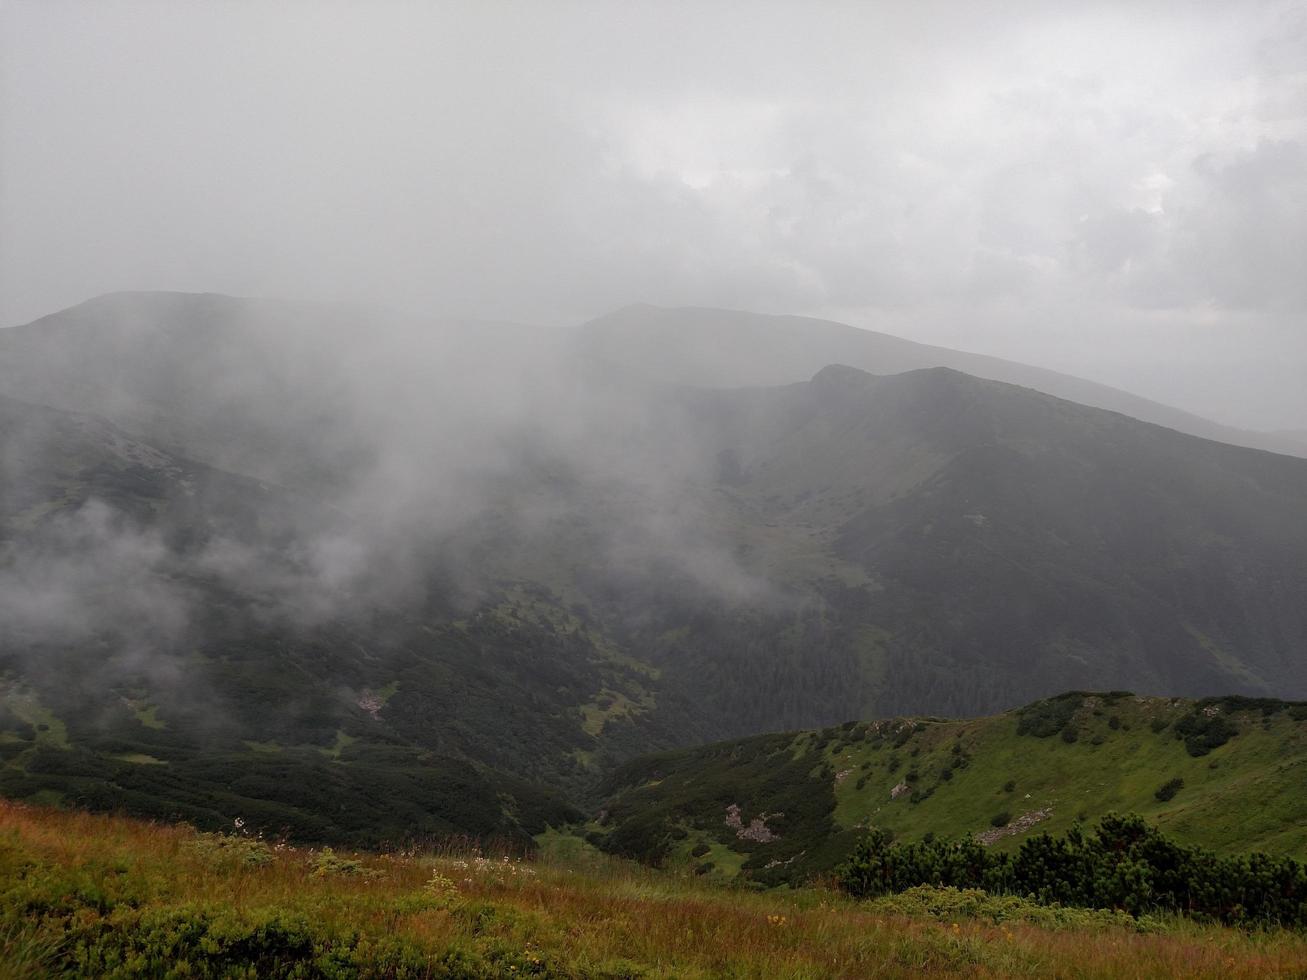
(105, 895)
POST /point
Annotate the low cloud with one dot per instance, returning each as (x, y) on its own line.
(1006, 181)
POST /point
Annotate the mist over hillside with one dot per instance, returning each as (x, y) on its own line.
(653, 489)
(276, 532)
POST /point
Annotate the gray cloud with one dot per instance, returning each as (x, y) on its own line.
(1115, 190)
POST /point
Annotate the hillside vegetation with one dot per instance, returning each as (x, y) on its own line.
(84, 895)
(1222, 773)
(255, 557)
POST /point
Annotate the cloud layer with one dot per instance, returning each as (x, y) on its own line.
(1116, 190)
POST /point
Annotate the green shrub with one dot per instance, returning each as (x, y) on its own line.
(1125, 864)
(1169, 788)
(1001, 819)
(226, 941)
(226, 851)
(951, 904)
(1202, 732)
(620, 969)
(440, 887)
(327, 862)
(1048, 717)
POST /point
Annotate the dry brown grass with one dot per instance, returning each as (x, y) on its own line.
(582, 921)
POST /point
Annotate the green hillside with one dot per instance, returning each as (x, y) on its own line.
(784, 807)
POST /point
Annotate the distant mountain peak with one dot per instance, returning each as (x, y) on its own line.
(842, 376)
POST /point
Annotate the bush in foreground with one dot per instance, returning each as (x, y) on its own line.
(1125, 865)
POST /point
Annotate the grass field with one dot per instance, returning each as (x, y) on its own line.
(109, 896)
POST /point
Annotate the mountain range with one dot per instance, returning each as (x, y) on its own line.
(260, 556)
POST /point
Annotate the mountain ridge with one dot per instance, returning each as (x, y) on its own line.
(726, 340)
(713, 348)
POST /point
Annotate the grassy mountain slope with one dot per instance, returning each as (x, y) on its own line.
(803, 798)
(93, 896)
(715, 348)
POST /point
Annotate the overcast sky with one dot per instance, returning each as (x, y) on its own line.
(1114, 190)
